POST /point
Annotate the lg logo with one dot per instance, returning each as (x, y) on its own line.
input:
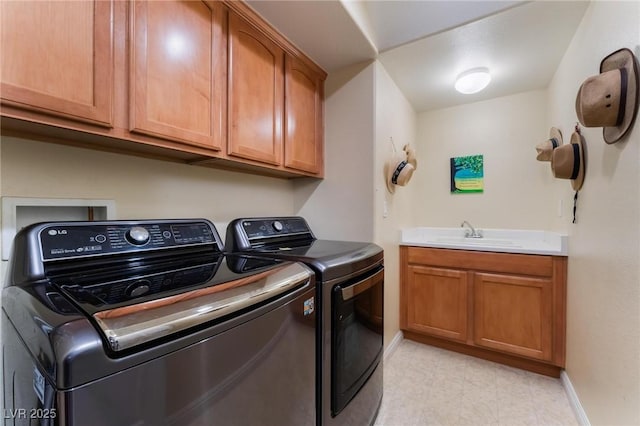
(54, 232)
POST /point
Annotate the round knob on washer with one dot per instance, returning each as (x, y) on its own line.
(138, 288)
(277, 225)
(138, 236)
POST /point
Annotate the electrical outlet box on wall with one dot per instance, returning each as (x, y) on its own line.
(19, 212)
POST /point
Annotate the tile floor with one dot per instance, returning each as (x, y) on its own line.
(424, 385)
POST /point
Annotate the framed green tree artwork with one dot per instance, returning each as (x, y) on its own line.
(467, 174)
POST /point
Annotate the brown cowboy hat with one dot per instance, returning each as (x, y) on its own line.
(399, 168)
(567, 161)
(610, 99)
(545, 149)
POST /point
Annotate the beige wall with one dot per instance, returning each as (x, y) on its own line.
(395, 118)
(603, 329)
(363, 108)
(517, 188)
(340, 206)
(141, 188)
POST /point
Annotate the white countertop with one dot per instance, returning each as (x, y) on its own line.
(496, 240)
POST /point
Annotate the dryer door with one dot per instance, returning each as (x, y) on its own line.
(357, 332)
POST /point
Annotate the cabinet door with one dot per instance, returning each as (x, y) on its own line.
(177, 71)
(437, 302)
(513, 314)
(256, 97)
(303, 143)
(57, 58)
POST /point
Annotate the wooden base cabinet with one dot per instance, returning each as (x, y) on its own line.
(509, 308)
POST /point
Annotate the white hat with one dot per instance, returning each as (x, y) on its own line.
(399, 168)
(545, 149)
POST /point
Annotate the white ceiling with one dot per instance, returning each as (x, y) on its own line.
(323, 29)
(394, 23)
(424, 45)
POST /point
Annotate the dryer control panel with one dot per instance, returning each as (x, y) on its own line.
(246, 233)
(262, 228)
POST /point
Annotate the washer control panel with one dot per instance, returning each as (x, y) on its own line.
(73, 240)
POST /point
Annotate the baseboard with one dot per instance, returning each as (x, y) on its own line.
(393, 345)
(574, 401)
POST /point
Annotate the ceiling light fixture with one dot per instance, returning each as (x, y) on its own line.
(473, 80)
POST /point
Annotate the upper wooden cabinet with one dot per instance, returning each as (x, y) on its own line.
(58, 57)
(177, 61)
(256, 96)
(200, 82)
(303, 143)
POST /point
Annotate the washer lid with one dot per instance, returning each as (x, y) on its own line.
(132, 325)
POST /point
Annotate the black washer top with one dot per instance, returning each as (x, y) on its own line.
(98, 266)
(84, 268)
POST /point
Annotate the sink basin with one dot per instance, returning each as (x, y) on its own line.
(477, 241)
(497, 240)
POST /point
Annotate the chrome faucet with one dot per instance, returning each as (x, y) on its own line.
(473, 233)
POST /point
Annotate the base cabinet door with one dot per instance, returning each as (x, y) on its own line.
(514, 314)
(57, 58)
(437, 302)
(177, 67)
